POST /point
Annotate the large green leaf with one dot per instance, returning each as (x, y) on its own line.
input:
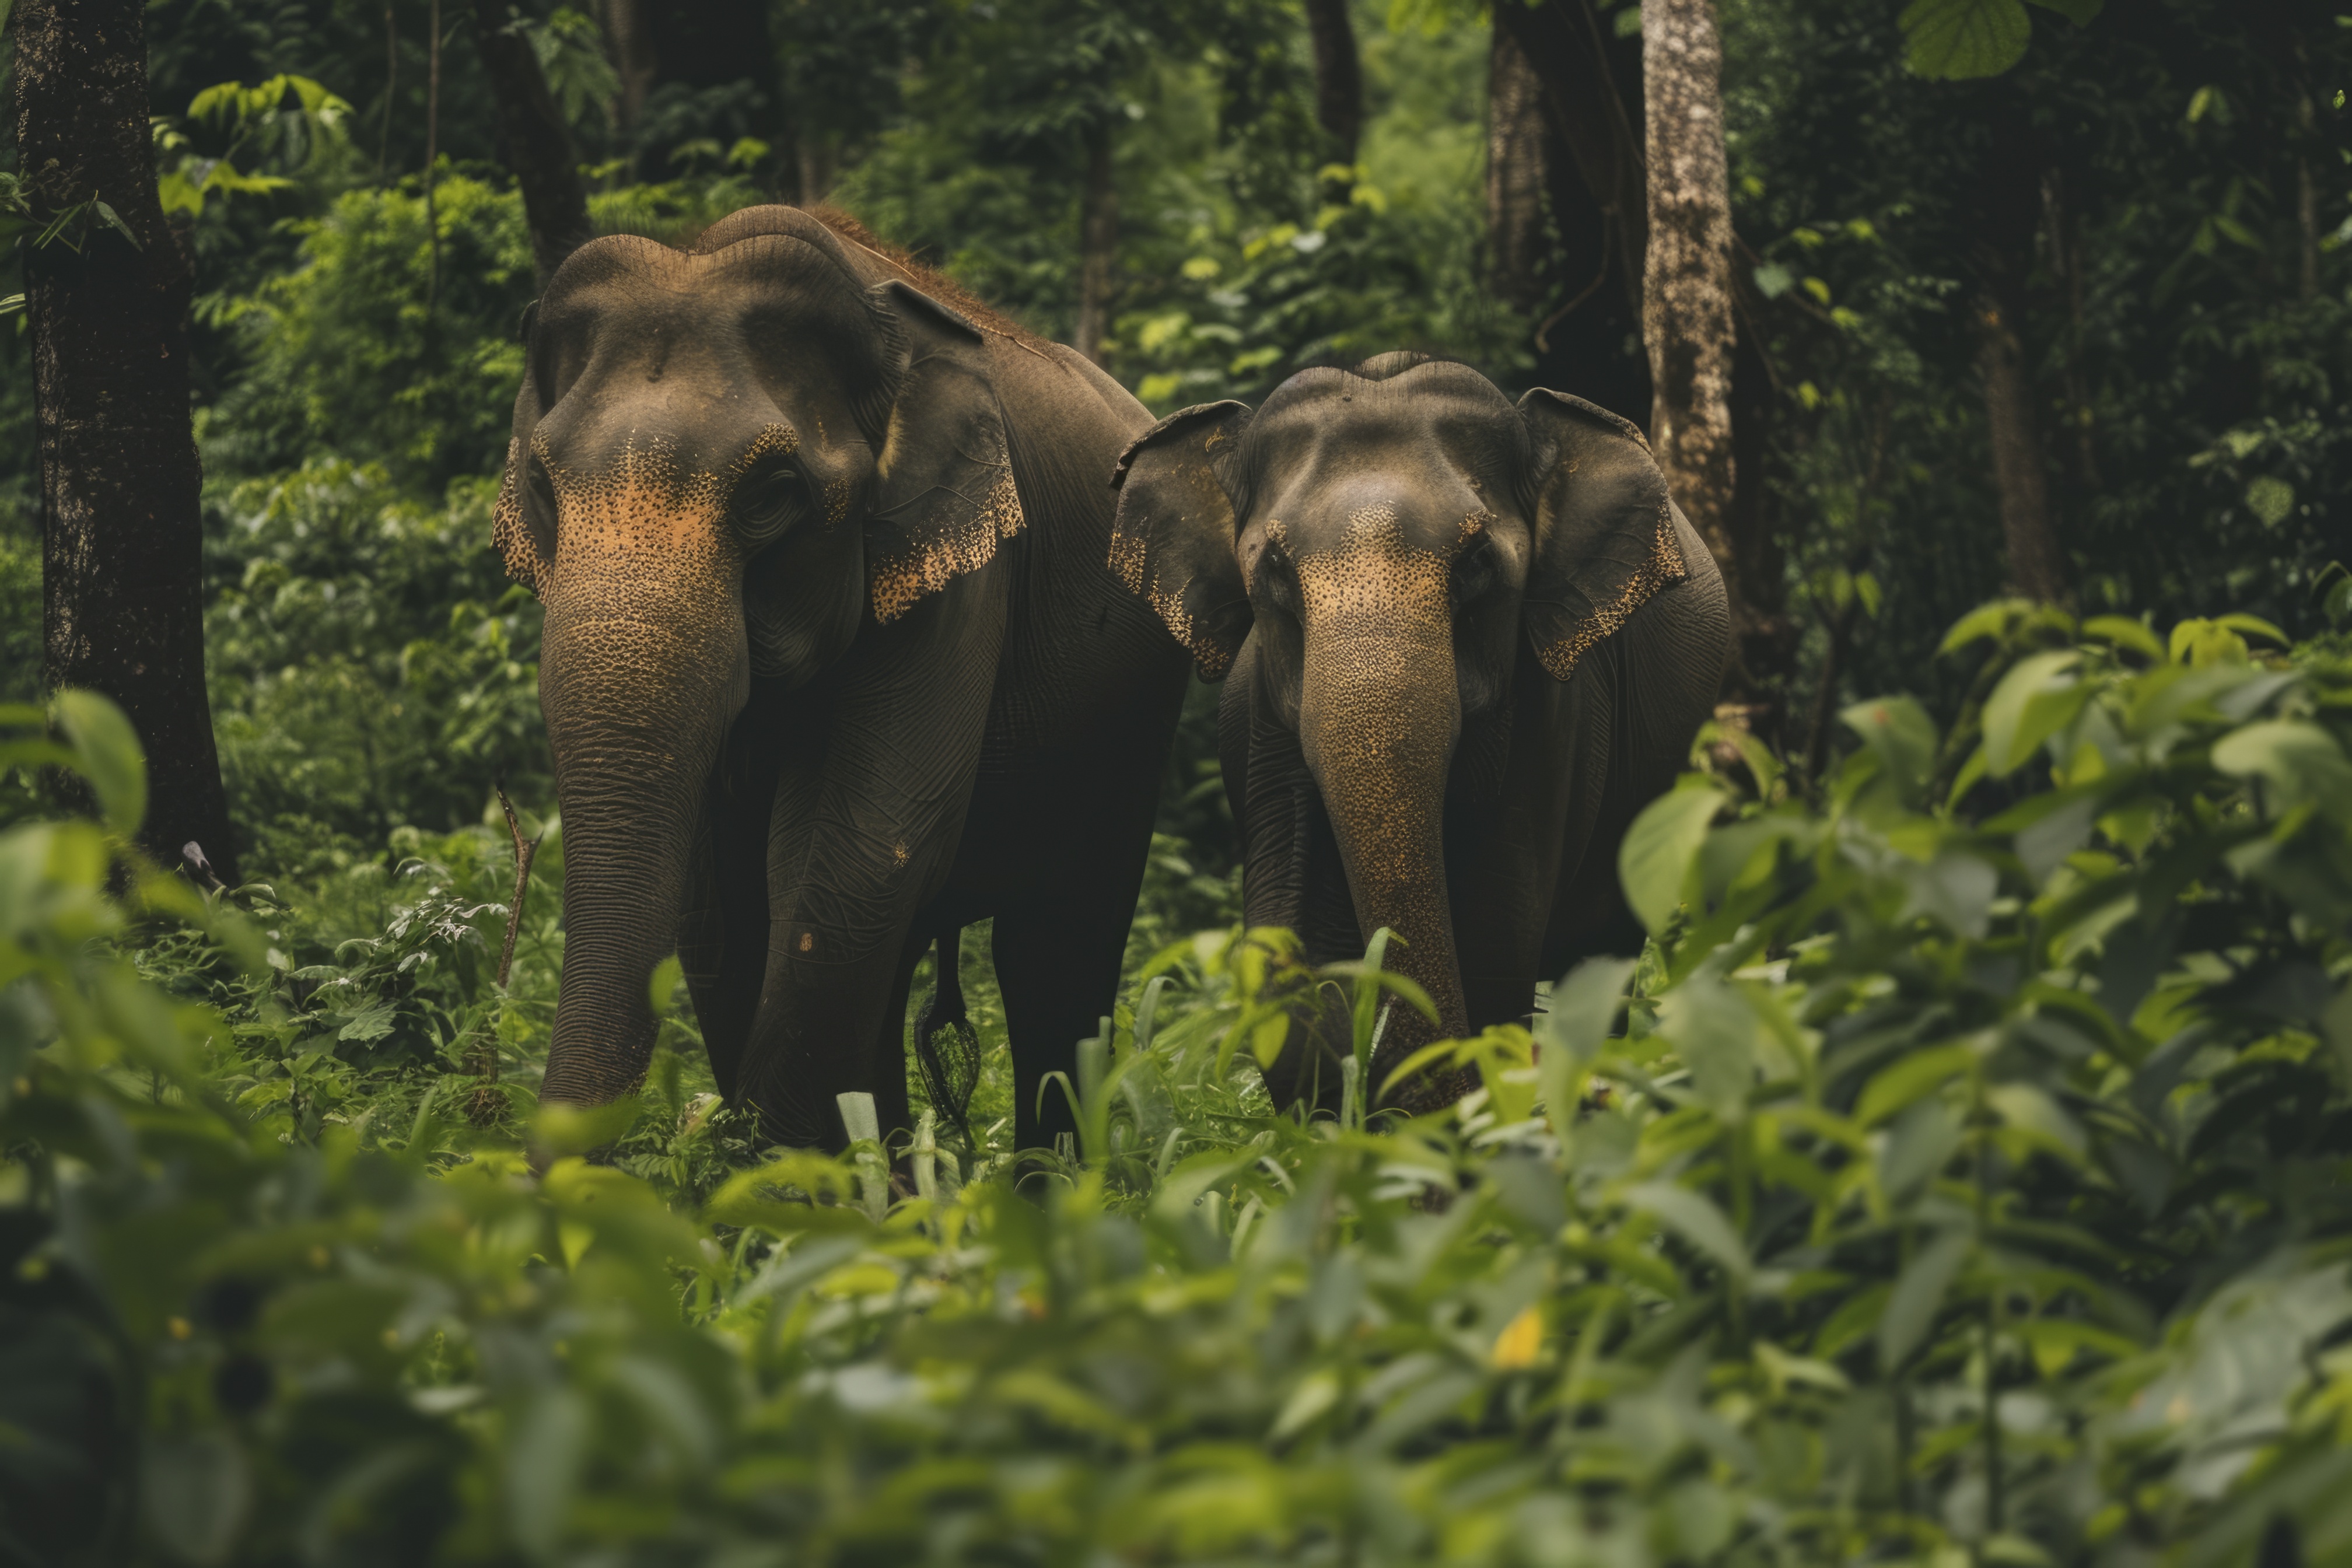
(2028, 706)
(110, 757)
(1655, 861)
(1957, 38)
(1918, 1291)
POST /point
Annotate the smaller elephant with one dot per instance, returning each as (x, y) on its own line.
(1463, 642)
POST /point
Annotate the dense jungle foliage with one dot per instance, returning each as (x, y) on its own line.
(1957, 1177)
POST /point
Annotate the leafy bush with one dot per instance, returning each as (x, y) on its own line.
(354, 350)
(371, 665)
(1911, 1116)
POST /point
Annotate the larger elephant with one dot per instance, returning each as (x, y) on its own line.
(1463, 642)
(833, 665)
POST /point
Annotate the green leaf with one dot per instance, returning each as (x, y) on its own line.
(2270, 499)
(2124, 633)
(1656, 862)
(111, 757)
(1991, 620)
(576, 1129)
(2027, 707)
(1900, 731)
(1695, 1219)
(1918, 1292)
(113, 220)
(1713, 1028)
(662, 984)
(1954, 39)
(1919, 1073)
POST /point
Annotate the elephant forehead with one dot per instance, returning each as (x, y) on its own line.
(1373, 573)
(645, 512)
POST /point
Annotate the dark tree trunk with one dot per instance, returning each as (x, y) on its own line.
(2036, 566)
(631, 42)
(1592, 163)
(1592, 89)
(538, 142)
(1097, 244)
(122, 605)
(1514, 176)
(2006, 216)
(1338, 77)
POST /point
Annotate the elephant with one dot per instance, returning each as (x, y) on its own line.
(832, 664)
(1462, 643)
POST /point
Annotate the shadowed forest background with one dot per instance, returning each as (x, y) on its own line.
(1957, 1178)
(2155, 200)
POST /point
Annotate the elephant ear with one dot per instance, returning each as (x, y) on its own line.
(944, 495)
(1174, 540)
(522, 542)
(1605, 528)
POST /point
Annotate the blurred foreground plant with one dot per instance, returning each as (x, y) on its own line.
(1954, 1190)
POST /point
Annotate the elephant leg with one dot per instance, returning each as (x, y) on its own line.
(887, 1062)
(721, 937)
(1655, 686)
(1504, 825)
(864, 829)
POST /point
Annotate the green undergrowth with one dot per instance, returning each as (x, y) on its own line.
(1958, 1178)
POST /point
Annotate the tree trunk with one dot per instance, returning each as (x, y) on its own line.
(1338, 77)
(122, 605)
(1592, 183)
(1686, 283)
(812, 155)
(627, 35)
(2036, 566)
(1097, 244)
(546, 165)
(1593, 102)
(1514, 176)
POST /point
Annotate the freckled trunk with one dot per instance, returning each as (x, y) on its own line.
(639, 680)
(122, 541)
(1379, 715)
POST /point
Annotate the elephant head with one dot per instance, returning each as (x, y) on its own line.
(727, 464)
(1389, 539)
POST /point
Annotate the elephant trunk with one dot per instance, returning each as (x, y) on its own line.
(643, 669)
(1378, 716)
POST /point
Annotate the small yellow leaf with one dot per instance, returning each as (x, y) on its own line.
(575, 1237)
(1522, 1337)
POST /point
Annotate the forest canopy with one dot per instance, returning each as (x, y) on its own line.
(1956, 1176)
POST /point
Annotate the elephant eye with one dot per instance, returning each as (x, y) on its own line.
(1473, 572)
(767, 505)
(1281, 583)
(541, 486)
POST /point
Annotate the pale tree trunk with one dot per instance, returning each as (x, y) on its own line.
(1687, 317)
(1515, 176)
(121, 547)
(1338, 77)
(1098, 246)
(2036, 568)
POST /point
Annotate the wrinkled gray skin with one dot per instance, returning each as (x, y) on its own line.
(832, 664)
(1464, 643)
